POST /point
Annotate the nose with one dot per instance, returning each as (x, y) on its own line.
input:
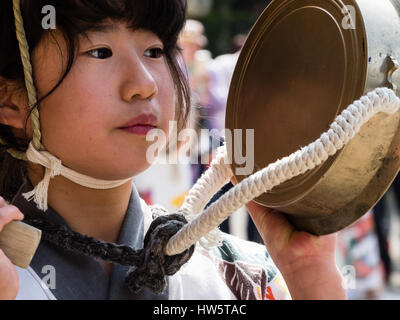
(138, 81)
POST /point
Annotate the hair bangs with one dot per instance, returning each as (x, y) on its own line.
(165, 18)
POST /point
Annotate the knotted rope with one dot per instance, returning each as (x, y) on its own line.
(55, 168)
(341, 131)
(149, 266)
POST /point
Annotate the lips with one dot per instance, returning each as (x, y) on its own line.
(141, 125)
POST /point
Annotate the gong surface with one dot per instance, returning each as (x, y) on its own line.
(300, 67)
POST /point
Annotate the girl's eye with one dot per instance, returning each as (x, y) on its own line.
(154, 53)
(101, 53)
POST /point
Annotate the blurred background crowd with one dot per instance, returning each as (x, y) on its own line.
(368, 251)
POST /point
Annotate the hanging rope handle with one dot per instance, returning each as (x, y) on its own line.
(341, 131)
(28, 74)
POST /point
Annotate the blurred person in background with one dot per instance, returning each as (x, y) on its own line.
(193, 41)
(382, 225)
(209, 81)
(220, 72)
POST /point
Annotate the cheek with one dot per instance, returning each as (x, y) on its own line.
(69, 108)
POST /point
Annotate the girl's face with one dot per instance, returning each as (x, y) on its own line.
(118, 76)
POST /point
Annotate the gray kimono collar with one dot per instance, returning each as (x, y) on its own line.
(77, 277)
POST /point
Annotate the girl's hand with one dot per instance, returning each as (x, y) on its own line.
(307, 262)
(9, 282)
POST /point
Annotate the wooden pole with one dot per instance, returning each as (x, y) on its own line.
(19, 242)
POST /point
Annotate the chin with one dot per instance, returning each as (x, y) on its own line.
(129, 171)
(140, 169)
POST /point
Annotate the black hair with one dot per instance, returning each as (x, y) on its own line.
(74, 18)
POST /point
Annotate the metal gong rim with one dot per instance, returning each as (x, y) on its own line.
(298, 69)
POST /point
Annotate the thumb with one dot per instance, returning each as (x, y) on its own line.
(271, 224)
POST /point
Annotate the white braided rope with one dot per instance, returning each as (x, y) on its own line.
(209, 183)
(341, 131)
(54, 167)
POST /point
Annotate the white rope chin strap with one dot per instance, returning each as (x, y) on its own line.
(54, 167)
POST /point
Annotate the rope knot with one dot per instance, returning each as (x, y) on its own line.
(55, 166)
(155, 263)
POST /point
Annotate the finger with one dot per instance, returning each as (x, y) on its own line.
(263, 215)
(271, 224)
(234, 180)
(8, 214)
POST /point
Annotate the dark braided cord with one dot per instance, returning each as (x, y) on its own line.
(149, 266)
(67, 239)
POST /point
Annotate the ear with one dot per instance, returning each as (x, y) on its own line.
(12, 110)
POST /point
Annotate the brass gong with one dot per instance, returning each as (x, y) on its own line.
(302, 64)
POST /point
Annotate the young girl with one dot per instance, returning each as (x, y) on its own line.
(105, 76)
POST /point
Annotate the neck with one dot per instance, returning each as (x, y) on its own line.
(93, 212)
